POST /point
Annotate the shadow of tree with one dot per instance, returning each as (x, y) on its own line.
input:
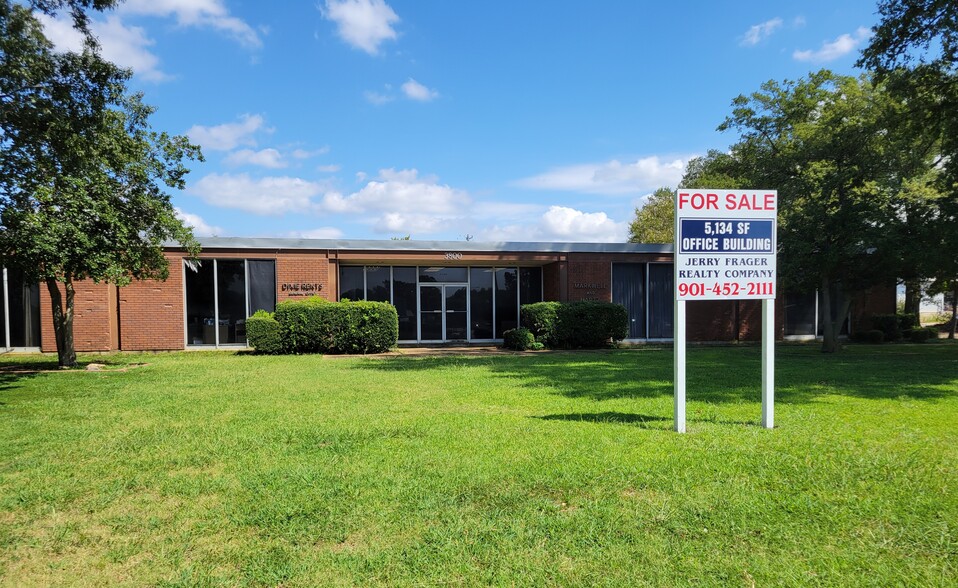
(719, 374)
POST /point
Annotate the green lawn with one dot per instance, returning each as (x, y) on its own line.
(202, 469)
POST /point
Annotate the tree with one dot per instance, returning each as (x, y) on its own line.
(915, 48)
(655, 221)
(82, 174)
(823, 142)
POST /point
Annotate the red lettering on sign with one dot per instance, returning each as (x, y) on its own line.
(698, 201)
(749, 202)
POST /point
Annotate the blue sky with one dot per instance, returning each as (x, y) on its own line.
(520, 121)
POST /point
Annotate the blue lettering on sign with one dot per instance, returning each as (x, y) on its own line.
(726, 236)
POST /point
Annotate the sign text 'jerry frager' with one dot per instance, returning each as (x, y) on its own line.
(725, 250)
(725, 244)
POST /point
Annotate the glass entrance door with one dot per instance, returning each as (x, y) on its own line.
(442, 312)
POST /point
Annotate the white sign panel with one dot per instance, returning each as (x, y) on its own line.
(725, 244)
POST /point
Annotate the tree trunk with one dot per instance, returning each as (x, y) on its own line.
(954, 312)
(835, 305)
(63, 321)
(913, 300)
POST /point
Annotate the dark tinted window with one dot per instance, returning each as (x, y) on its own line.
(481, 285)
(442, 274)
(377, 284)
(404, 299)
(507, 300)
(351, 282)
(530, 285)
(262, 285)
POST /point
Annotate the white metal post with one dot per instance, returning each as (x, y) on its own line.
(768, 363)
(678, 348)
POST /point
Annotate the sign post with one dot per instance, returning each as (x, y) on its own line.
(725, 244)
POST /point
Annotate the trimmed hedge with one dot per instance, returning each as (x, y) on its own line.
(315, 325)
(264, 333)
(873, 336)
(540, 318)
(520, 339)
(574, 325)
(921, 334)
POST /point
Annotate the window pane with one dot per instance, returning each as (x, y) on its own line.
(800, 314)
(24, 311)
(200, 323)
(262, 285)
(351, 283)
(231, 283)
(530, 285)
(442, 274)
(628, 289)
(481, 283)
(377, 283)
(455, 312)
(430, 301)
(404, 299)
(507, 300)
(661, 300)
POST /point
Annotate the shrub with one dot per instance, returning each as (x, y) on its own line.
(873, 336)
(519, 339)
(315, 325)
(540, 318)
(264, 333)
(921, 334)
(887, 324)
(591, 324)
(907, 321)
(365, 327)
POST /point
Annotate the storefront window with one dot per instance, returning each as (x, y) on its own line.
(507, 300)
(22, 303)
(480, 300)
(222, 293)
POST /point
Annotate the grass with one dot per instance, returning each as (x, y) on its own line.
(208, 469)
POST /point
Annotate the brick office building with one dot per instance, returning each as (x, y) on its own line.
(443, 291)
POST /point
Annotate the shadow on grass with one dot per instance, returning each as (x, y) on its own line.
(719, 374)
(642, 421)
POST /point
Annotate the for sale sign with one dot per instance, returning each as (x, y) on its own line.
(725, 244)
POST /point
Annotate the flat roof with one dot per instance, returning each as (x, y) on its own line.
(404, 245)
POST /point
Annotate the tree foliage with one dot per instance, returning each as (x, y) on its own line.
(82, 174)
(829, 145)
(654, 222)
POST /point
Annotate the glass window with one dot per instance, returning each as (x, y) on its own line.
(231, 286)
(800, 314)
(507, 300)
(530, 285)
(377, 284)
(661, 300)
(628, 289)
(480, 301)
(24, 304)
(200, 306)
(443, 274)
(262, 285)
(404, 299)
(351, 282)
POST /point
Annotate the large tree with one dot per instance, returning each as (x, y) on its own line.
(915, 47)
(824, 143)
(82, 174)
(654, 222)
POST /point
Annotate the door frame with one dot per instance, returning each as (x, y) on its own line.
(442, 288)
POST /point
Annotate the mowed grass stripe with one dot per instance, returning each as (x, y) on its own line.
(540, 469)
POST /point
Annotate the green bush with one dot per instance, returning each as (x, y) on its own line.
(889, 325)
(519, 339)
(315, 325)
(365, 327)
(873, 336)
(540, 318)
(264, 333)
(921, 334)
(907, 321)
(591, 324)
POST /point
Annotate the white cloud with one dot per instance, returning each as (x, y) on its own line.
(561, 223)
(197, 13)
(364, 24)
(612, 177)
(329, 169)
(759, 32)
(120, 44)
(305, 154)
(416, 91)
(319, 233)
(200, 226)
(270, 158)
(377, 98)
(262, 196)
(831, 51)
(400, 191)
(227, 136)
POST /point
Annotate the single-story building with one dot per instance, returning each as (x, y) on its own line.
(444, 291)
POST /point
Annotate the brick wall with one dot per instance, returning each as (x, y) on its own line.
(151, 311)
(94, 317)
(303, 270)
(590, 280)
